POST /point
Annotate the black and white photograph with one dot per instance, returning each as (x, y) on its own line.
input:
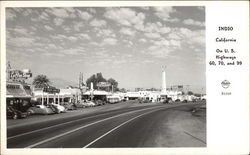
(124, 77)
(105, 77)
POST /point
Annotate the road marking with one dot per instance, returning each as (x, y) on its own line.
(195, 137)
(82, 127)
(115, 129)
(34, 131)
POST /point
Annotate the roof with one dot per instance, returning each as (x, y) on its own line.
(63, 92)
(97, 92)
(18, 90)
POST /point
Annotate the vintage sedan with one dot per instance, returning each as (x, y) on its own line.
(85, 104)
(15, 114)
(89, 104)
(59, 108)
(69, 106)
(42, 110)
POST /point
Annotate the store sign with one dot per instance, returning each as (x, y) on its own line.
(18, 74)
(180, 86)
(103, 84)
(51, 90)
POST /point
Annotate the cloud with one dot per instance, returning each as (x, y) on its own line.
(98, 23)
(193, 37)
(159, 52)
(66, 28)
(127, 31)
(152, 35)
(47, 27)
(72, 51)
(91, 10)
(202, 8)
(170, 44)
(109, 41)
(175, 43)
(10, 14)
(50, 54)
(78, 25)
(187, 36)
(193, 22)
(121, 61)
(125, 16)
(145, 8)
(147, 61)
(41, 17)
(128, 43)
(58, 21)
(174, 35)
(94, 43)
(21, 42)
(58, 37)
(105, 33)
(84, 15)
(156, 27)
(58, 12)
(84, 36)
(62, 52)
(72, 38)
(53, 46)
(164, 13)
(19, 31)
(162, 43)
(142, 40)
(27, 12)
(70, 9)
(163, 47)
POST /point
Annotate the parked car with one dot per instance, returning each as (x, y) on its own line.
(144, 101)
(80, 104)
(69, 106)
(89, 104)
(99, 102)
(85, 104)
(42, 109)
(15, 114)
(185, 101)
(59, 107)
(177, 100)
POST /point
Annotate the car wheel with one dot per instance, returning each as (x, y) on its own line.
(15, 116)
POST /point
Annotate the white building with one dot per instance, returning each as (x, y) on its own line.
(65, 95)
(132, 95)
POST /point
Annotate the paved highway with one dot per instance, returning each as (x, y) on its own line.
(144, 126)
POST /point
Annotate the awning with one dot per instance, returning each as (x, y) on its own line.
(16, 91)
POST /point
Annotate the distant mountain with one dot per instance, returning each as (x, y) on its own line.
(61, 83)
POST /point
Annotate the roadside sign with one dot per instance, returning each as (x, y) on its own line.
(103, 84)
(51, 90)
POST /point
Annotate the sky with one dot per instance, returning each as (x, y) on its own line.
(129, 44)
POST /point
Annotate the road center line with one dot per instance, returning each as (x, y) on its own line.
(115, 128)
(82, 127)
(34, 131)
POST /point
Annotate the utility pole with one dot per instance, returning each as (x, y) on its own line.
(187, 89)
(8, 70)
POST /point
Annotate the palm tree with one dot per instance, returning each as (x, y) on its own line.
(41, 81)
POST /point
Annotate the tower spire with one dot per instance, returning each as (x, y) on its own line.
(163, 84)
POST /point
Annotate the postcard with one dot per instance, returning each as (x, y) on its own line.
(124, 77)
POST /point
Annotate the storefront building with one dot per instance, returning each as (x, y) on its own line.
(18, 95)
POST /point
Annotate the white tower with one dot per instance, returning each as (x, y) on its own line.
(163, 83)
